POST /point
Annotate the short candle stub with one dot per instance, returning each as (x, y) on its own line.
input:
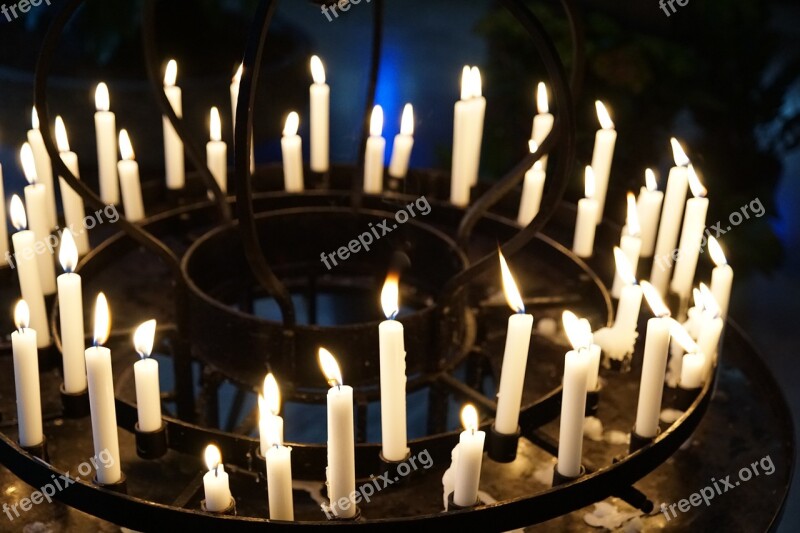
(230, 510)
(502, 448)
(559, 479)
(74, 405)
(682, 398)
(38, 450)
(151, 444)
(399, 472)
(593, 401)
(638, 442)
(120, 487)
(451, 505)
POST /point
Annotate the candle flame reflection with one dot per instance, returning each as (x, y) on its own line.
(68, 252)
(654, 300)
(144, 337)
(22, 315)
(510, 288)
(717, 255)
(469, 418)
(390, 296)
(330, 368)
(18, 217)
(102, 320)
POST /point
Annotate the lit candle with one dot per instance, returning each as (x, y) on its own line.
(630, 243)
(44, 168)
(710, 330)
(3, 225)
(215, 482)
(292, 149)
(101, 396)
(320, 94)
(70, 312)
(279, 482)
(235, 83)
(403, 143)
(475, 124)
(26, 378)
(270, 423)
(532, 189)
(721, 277)
(543, 121)
(376, 148)
(394, 437)
(694, 224)
(654, 365)
(603, 155)
(573, 407)
(145, 373)
(70, 199)
(649, 207)
(515, 356)
(105, 127)
(341, 470)
(671, 216)
(579, 333)
(173, 145)
(630, 299)
(585, 225)
(467, 132)
(693, 366)
(470, 458)
(217, 151)
(129, 179)
(28, 271)
(36, 201)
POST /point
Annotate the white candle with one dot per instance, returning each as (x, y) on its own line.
(341, 470)
(216, 487)
(403, 143)
(292, 149)
(543, 121)
(515, 356)
(105, 126)
(217, 152)
(711, 328)
(630, 244)
(593, 379)
(585, 225)
(692, 368)
(44, 168)
(3, 225)
(394, 436)
(470, 458)
(532, 189)
(26, 378)
(373, 159)
(603, 155)
(475, 124)
(721, 277)
(694, 224)
(649, 207)
(320, 95)
(279, 482)
(36, 201)
(270, 423)
(129, 179)
(101, 396)
(467, 129)
(671, 216)
(145, 373)
(654, 366)
(573, 407)
(579, 333)
(28, 271)
(630, 299)
(70, 199)
(173, 145)
(70, 312)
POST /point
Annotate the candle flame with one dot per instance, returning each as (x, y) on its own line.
(477, 83)
(18, 217)
(271, 396)
(376, 121)
(215, 125)
(710, 303)
(682, 337)
(634, 229)
(602, 115)
(698, 190)
(681, 159)
(125, 146)
(102, 101)
(513, 297)
(28, 163)
(34, 118)
(292, 124)
(22, 315)
(717, 255)
(144, 337)
(542, 104)
(171, 73)
(697, 296)
(317, 70)
(390, 296)
(589, 182)
(466, 83)
(578, 330)
(533, 146)
(407, 122)
(330, 368)
(213, 457)
(237, 76)
(469, 418)
(654, 300)
(102, 320)
(61, 135)
(624, 267)
(650, 180)
(68, 252)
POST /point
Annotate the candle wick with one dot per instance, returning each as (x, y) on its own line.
(216, 471)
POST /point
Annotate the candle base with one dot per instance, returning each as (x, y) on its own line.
(560, 479)
(38, 450)
(593, 401)
(333, 518)
(502, 448)
(120, 487)
(230, 510)
(638, 442)
(451, 505)
(151, 444)
(399, 472)
(74, 405)
(320, 180)
(682, 398)
(394, 183)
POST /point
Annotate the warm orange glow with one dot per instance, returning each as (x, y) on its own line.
(61, 135)
(18, 217)
(632, 222)
(654, 300)
(390, 296)
(144, 337)
(171, 73)
(469, 418)
(681, 159)
(602, 115)
(407, 121)
(213, 457)
(215, 125)
(34, 119)
(28, 163)
(589, 184)
(578, 330)
(624, 268)
(68, 252)
(510, 288)
(542, 105)
(102, 101)
(22, 315)
(291, 125)
(317, 70)
(717, 255)
(125, 146)
(102, 320)
(650, 180)
(698, 190)
(272, 395)
(330, 368)
(682, 337)
(376, 121)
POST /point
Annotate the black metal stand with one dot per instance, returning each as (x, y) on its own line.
(333, 518)
(451, 505)
(560, 479)
(502, 447)
(153, 444)
(593, 401)
(638, 442)
(682, 398)
(400, 472)
(38, 450)
(75, 405)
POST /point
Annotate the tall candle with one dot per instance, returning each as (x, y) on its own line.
(721, 277)
(217, 151)
(216, 486)
(466, 117)
(532, 190)
(573, 408)
(603, 155)
(70, 312)
(292, 149)
(671, 216)
(630, 299)
(3, 225)
(649, 208)
(475, 125)
(36, 201)
(543, 121)
(320, 95)
(403, 143)
(270, 423)
(145, 374)
(515, 356)
(375, 150)
(105, 126)
(70, 199)
(26, 378)
(279, 482)
(341, 470)
(129, 179)
(710, 330)
(394, 436)
(44, 168)
(101, 396)
(585, 224)
(173, 145)
(28, 271)
(470, 458)
(694, 224)
(630, 244)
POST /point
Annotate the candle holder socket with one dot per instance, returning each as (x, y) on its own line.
(120, 487)
(682, 398)
(452, 506)
(333, 518)
(593, 401)
(151, 444)
(38, 450)
(502, 447)
(74, 405)
(399, 472)
(560, 479)
(638, 442)
(230, 510)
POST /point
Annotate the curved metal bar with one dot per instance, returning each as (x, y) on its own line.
(578, 48)
(242, 146)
